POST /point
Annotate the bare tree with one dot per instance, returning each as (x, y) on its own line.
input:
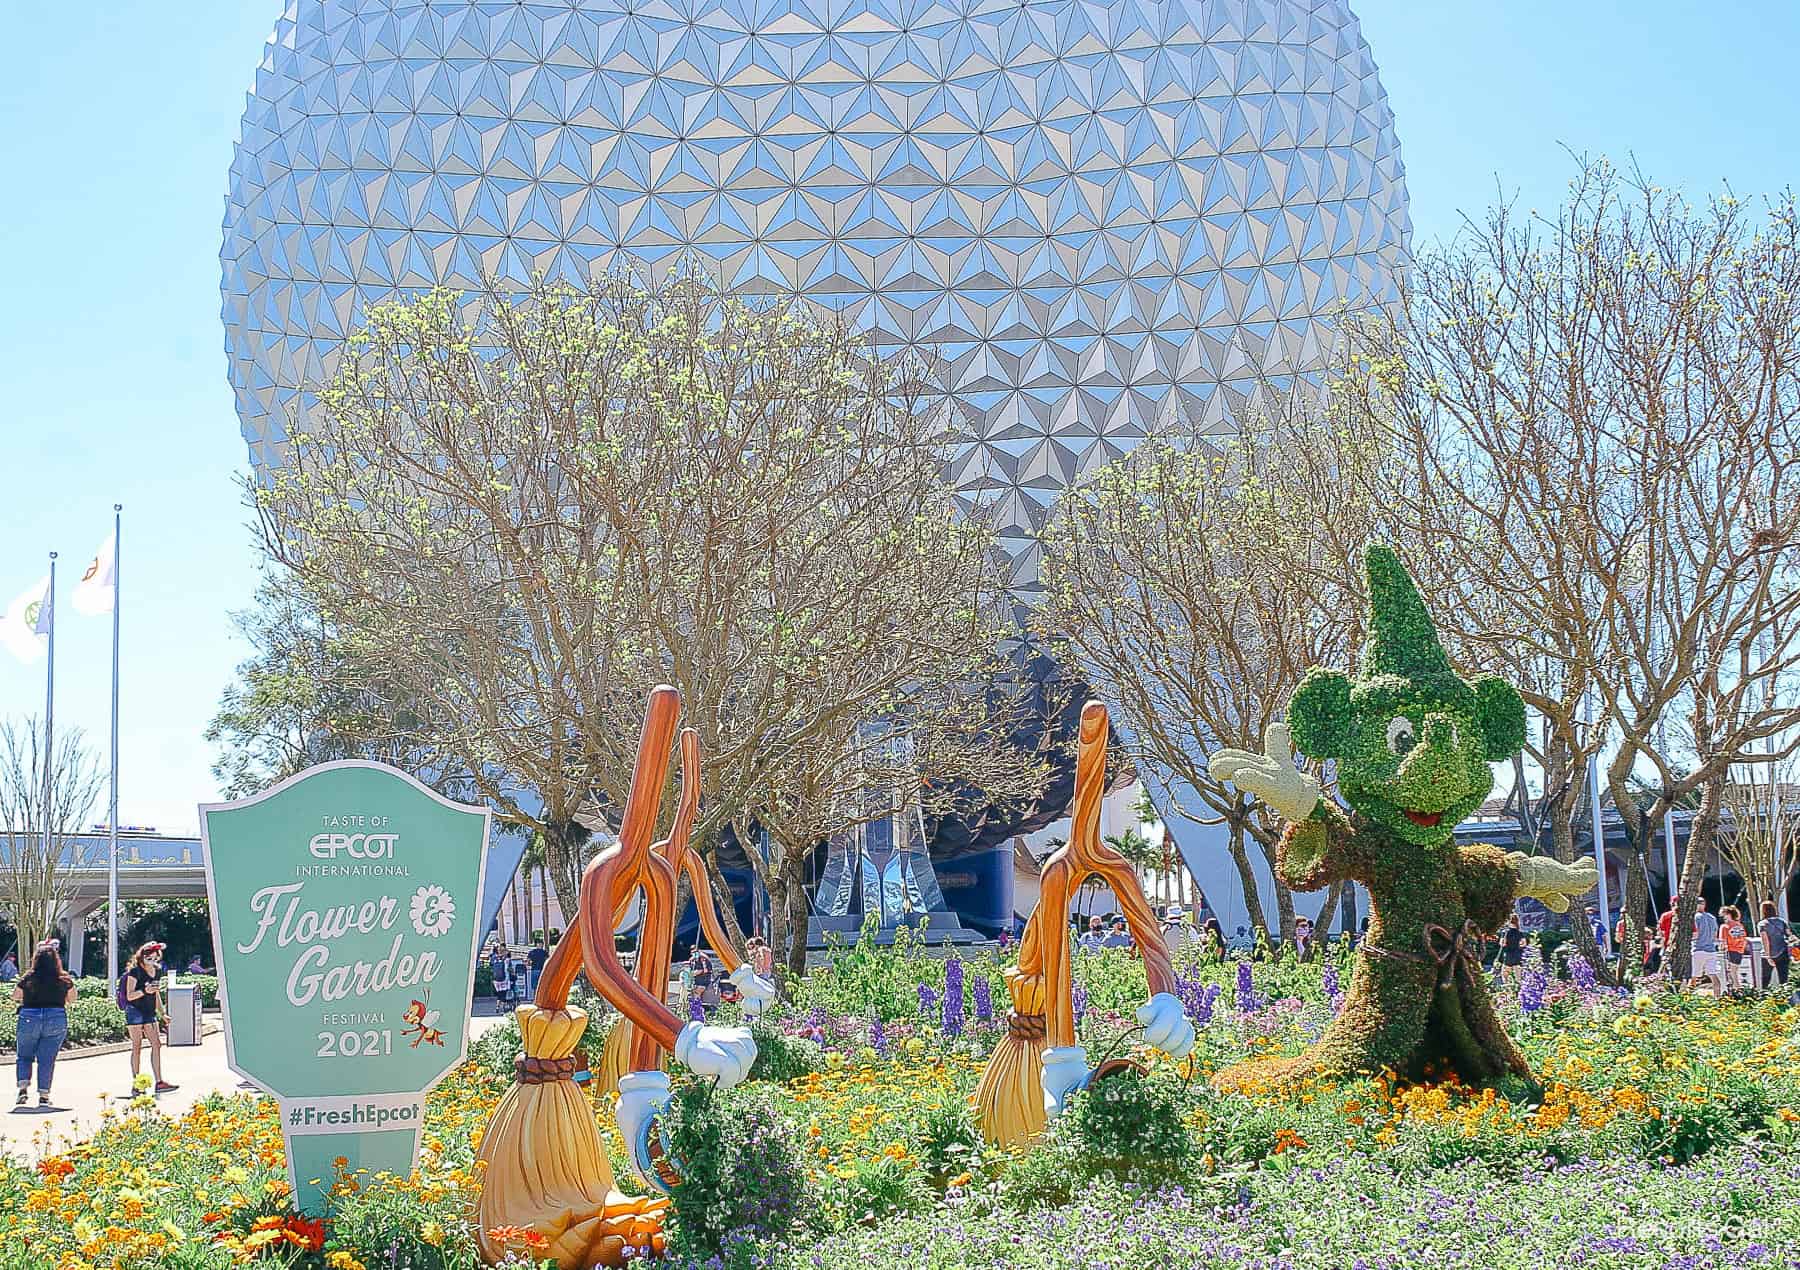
(41, 814)
(1196, 580)
(529, 518)
(1761, 838)
(1599, 409)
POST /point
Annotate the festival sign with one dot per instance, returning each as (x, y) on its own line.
(345, 911)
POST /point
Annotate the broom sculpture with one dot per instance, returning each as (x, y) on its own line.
(1024, 1082)
(546, 1168)
(755, 992)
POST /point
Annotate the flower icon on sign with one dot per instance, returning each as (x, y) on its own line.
(432, 911)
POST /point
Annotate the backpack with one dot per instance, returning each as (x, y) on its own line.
(119, 991)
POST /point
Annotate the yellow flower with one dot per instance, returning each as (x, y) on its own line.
(342, 1261)
(432, 1233)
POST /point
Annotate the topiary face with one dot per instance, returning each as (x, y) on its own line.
(1412, 740)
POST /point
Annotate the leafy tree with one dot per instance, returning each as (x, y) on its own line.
(303, 697)
(527, 512)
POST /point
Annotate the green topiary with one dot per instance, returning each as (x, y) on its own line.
(1412, 742)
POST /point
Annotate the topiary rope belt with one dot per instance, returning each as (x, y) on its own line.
(1452, 952)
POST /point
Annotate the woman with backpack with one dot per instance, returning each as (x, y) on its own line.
(43, 997)
(140, 994)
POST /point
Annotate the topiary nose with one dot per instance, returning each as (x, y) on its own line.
(1430, 776)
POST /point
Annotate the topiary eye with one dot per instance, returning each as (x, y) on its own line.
(1399, 734)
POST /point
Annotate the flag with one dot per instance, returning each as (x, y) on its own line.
(27, 622)
(94, 593)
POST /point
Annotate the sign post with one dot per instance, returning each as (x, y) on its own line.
(345, 910)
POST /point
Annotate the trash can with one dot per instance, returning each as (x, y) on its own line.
(184, 1014)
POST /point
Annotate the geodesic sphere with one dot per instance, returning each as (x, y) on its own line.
(1096, 218)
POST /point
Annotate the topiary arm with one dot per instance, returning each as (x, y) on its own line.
(1489, 884)
(1325, 847)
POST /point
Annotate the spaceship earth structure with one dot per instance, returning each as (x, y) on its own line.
(1095, 218)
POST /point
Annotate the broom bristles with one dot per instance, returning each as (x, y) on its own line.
(615, 1057)
(1009, 1102)
(547, 1170)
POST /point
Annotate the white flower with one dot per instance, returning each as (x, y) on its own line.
(432, 911)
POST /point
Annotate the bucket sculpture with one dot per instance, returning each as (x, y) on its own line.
(754, 992)
(1039, 1064)
(546, 1168)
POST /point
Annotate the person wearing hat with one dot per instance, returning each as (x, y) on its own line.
(142, 990)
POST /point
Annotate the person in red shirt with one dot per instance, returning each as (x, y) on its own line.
(1737, 942)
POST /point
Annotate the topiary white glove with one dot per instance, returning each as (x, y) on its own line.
(1166, 1025)
(642, 1096)
(1065, 1071)
(756, 992)
(725, 1053)
(1550, 882)
(1271, 775)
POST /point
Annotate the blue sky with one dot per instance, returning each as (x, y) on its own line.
(116, 124)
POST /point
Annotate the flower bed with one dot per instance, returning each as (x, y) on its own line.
(1665, 1130)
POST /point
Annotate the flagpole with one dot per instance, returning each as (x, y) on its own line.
(49, 724)
(112, 819)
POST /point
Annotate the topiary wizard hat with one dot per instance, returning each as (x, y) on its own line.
(1403, 643)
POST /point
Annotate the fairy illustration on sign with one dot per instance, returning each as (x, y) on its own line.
(421, 1023)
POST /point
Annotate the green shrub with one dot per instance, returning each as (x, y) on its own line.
(92, 1021)
(742, 1180)
(876, 1190)
(1130, 1128)
(948, 1141)
(781, 1058)
(409, 1229)
(496, 1048)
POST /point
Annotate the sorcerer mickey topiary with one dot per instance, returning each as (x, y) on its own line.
(1413, 742)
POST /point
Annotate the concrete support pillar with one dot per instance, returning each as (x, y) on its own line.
(75, 946)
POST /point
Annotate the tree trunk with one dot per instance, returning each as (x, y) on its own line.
(1322, 923)
(1562, 809)
(564, 856)
(1247, 877)
(1680, 956)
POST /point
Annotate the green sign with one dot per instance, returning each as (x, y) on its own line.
(345, 904)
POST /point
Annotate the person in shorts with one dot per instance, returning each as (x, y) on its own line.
(1706, 949)
(143, 1011)
(1737, 943)
(1512, 948)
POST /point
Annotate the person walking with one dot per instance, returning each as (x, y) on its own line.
(536, 959)
(142, 984)
(1706, 949)
(9, 968)
(1512, 949)
(43, 997)
(1737, 942)
(1774, 932)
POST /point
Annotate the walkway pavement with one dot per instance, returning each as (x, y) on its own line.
(87, 1083)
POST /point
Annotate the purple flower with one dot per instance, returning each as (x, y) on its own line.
(696, 1011)
(1248, 1002)
(953, 996)
(1533, 982)
(928, 999)
(984, 999)
(878, 1037)
(1334, 993)
(1079, 999)
(1583, 974)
